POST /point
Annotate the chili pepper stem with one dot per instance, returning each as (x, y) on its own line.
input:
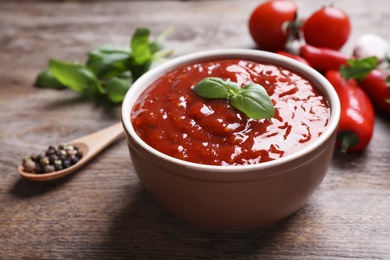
(347, 139)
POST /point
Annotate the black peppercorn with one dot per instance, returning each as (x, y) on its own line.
(66, 163)
(53, 158)
(38, 168)
(74, 160)
(50, 151)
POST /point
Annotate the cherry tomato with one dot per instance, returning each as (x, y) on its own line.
(328, 27)
(268, 24)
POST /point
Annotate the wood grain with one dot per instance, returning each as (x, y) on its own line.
(102, 212)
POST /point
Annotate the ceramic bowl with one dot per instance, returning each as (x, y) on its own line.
(232, 197)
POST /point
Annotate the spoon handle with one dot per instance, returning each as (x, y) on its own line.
(97, 141)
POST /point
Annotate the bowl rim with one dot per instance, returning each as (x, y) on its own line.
(246, 54)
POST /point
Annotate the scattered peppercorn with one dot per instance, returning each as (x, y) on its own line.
(53, 159)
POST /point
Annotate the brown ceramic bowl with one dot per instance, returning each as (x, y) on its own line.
(232, 197)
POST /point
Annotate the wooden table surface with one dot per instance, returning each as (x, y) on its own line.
(102, 211)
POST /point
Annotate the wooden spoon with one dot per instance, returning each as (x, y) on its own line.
(90, 145)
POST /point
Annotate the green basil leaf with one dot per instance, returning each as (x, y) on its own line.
(46, 79)
(216, 88)
(137, 70)
(106, 49)
(76, 77)
(155, 46)
(254, 101)
(108, 65)
(108, 61)
(140, 48)
(116, 88)
(358, 69)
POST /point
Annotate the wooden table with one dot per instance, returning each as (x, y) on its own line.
(102, 211)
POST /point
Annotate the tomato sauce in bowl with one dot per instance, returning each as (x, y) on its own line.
(170, 117)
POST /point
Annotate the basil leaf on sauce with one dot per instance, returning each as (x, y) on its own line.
(252, 99)
(216, 88)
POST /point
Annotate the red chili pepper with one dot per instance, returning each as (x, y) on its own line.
(357, 114)
(323, 59)
(377, 88)
(293, 56)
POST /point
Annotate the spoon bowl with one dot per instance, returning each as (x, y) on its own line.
(90, 145)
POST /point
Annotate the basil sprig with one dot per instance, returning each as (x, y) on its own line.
(358, 69)
(253, 100)
(109, 70)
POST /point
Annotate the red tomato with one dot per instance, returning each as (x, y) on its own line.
(268, 24)
(328, 27)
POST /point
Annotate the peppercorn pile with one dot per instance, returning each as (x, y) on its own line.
(53, 159)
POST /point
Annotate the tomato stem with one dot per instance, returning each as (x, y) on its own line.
(294, 38)
(347, 139)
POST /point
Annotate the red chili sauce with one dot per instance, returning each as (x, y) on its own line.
(173, 119)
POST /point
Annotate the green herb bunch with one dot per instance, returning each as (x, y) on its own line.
(109, 70)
